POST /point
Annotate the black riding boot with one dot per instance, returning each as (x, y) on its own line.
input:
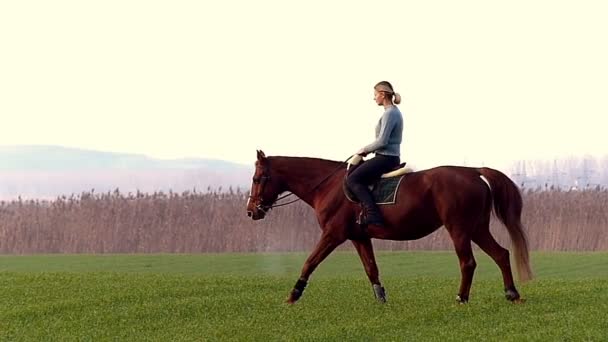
(368, 205)
(373, 215)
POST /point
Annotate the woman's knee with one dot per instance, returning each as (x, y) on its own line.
(352, 180)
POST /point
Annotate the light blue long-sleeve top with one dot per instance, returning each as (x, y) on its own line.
(389, 131)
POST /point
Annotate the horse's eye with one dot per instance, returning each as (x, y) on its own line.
(256, 181)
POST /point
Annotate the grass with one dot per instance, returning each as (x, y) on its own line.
(240, 297)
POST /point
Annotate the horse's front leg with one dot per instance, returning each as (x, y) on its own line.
(366, 253)
(324, 247)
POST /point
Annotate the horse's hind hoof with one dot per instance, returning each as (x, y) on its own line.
(380, 293)
(461, 300)
(511, 295)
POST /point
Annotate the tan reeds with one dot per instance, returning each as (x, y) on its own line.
(194, 222)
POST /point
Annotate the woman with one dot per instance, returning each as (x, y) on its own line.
(387, 148)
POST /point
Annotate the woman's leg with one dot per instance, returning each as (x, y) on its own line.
(364, 175)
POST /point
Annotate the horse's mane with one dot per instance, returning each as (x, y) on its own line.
(309, 160)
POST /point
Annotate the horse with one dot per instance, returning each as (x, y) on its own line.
(459, 198)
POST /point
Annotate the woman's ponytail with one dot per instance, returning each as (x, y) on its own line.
(397, 98)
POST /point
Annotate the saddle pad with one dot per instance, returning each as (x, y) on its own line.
(384, 191)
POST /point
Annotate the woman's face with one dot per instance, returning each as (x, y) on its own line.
(379, 97)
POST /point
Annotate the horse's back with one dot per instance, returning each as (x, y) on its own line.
(447, 175)
(452, 176)
(443, 190)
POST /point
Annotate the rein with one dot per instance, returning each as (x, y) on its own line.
(310, 191)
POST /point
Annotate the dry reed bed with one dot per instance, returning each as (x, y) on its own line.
(193, 222)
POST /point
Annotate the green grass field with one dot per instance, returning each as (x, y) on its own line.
(241, 297)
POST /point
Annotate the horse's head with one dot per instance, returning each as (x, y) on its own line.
(265, 189)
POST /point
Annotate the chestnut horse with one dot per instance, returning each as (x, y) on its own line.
(451, 196)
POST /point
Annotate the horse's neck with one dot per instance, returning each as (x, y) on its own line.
(303, 176)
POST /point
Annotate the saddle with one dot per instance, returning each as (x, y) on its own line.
(398, 170)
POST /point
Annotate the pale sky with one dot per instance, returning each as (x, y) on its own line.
(482, 81)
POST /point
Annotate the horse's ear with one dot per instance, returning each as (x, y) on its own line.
(261, 155)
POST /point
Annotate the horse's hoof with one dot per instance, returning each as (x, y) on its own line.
(511, 295)
(461, 300)
(291, 300)
(293, 296)
(379, 293)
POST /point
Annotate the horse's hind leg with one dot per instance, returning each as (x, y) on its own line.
(462, 244)
(366, 253)
(484, 239)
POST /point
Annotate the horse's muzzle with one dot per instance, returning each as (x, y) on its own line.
(255, 215)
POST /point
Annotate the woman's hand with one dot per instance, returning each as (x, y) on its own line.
(362, 153)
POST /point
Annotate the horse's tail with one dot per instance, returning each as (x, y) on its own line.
(508, 205)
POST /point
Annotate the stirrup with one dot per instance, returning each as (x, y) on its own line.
(361, 219)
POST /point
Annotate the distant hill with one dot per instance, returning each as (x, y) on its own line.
(50, 171)
(52, 158)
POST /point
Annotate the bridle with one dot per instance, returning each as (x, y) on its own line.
(262, 181)
(265, 178)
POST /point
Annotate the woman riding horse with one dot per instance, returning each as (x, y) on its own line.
(460, 199)
(386, 148)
